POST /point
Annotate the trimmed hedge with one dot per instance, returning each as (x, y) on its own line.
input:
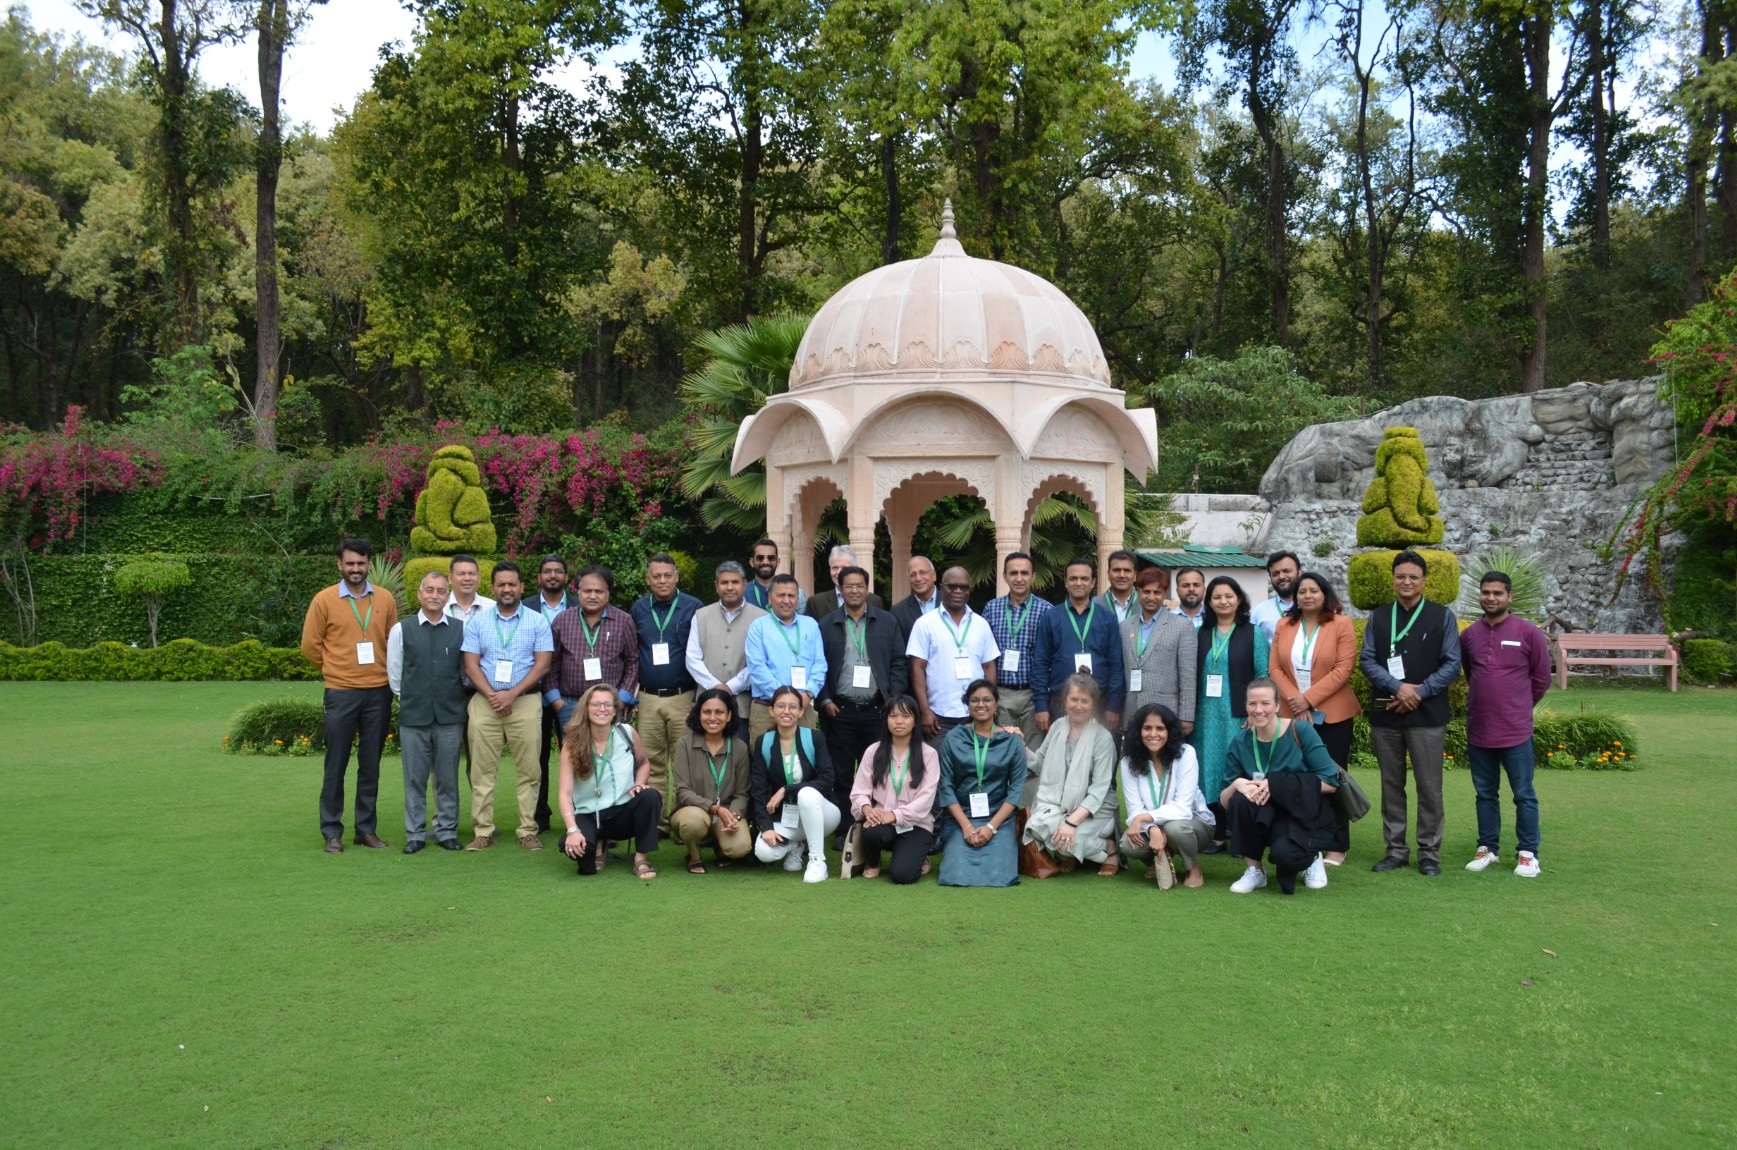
(180, 661)
(1369, 578)
(288, 727)
(1709, 660)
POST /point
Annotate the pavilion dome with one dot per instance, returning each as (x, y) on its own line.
(947, 316)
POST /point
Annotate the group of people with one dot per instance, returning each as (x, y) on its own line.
(773, 726)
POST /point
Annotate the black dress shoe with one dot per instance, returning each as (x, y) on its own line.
(448, 844)
(1429, 866)
(1388, 863)
(411, 848)
(334, 846)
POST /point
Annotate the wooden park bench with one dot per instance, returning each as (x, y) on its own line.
(1647, 651)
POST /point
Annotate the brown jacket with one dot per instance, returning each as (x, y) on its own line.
(1330, 661)
(330, 635)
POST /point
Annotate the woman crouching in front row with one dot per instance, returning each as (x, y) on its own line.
(602, 792)
(1161, 786)
(790, 775)
(1279, 798)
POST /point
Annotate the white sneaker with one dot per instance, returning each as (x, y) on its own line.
(1483, 859)
(1315, 878)
(1528, 867)
(1252, 880)
(816, 871)
(793, 860)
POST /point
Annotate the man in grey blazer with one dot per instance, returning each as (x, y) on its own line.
(1159, 650)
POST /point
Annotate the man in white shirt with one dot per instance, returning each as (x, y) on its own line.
(949, 649)
(1283, 567)
(464, 602)
(1191, 595)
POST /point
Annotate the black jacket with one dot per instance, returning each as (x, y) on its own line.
(886, 652)
(1241, 657)
(823, 603)
(763, 780)
(907, 611)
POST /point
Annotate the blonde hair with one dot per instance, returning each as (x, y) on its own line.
(580, 725)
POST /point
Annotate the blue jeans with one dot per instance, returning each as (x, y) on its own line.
(1487, 765)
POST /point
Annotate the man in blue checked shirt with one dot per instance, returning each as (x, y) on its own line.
(1079, 635)
(507, 650)
(1013, 619)
(783, 648)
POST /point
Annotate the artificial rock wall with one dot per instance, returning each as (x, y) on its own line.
(1551, 473)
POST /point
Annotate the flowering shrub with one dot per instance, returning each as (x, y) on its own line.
(45, 480)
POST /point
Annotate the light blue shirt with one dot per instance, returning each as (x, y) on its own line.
(611, 782)
(770, 657)
(1266, 615)
(344, 589)
(526, 636)
(1197, 620)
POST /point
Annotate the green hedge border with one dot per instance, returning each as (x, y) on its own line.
(180, 661)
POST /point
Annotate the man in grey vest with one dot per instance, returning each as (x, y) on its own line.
(717, 652)
(425, 667)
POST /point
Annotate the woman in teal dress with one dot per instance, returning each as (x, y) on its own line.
(1232, 652)
(982, 777)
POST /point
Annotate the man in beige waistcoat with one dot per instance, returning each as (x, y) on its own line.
(717, 655)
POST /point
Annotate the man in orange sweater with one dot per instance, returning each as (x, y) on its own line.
(344, 635)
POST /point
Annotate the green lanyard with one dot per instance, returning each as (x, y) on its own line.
(794, 642)
(1393, 624)
(1146, 636)
(858, 638)
(603, 763)
(1309, 640)
(899, 773)
(717, 774)
(591, 633)
(790, 763)
(651, 606)
(1163, 788)
(362, 621)
(1017, 622)
(1255, 742)
(499, 634)
(1220, 645)
(1080, 633)
(980, 751)
(958, 636)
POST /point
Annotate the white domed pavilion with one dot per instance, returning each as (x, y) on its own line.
(941, 376)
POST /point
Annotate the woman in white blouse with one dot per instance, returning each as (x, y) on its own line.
(1161, 787)
(894, 795)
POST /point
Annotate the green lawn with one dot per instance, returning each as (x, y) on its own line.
(185, 967)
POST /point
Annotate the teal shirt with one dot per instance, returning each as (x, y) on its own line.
(1304, 753)
(611, 782)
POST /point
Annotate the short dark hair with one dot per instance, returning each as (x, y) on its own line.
(461, 557)
(1016, 555)
(766, 542)
(785, 577)
(729, 702)
(846, 572)
(1153, 575)
(1082, 561)
(1280, 556)
(662, 557)
(548, 559)
(1124, 554)
(1497, 577)
(602, 573)
(1330, 605)
(1181, 571)
(1413, 558)
(507, 565)
(357, 544)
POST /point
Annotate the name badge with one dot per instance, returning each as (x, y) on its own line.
(1512, 643)
(861, 678)
(1134, 679)
(965, 667)
(979, 804)
(1215, 686)
(594, 669)
(1083, 662)
(1010, 662)
(504, 672)
(789, 819)
(1396, 667)
(660, 654)
(364, 653)
(903, 830)
(799, 678)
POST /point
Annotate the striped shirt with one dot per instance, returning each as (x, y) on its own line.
(520, 637)
(1001, 618)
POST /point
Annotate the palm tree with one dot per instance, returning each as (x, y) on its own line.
(749, 364)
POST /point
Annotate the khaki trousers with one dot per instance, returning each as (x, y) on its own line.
(518, 733)
(760, 720)
(693, 825)
(1015, 710)
(662, 722)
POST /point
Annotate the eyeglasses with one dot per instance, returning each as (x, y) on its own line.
(957, 586)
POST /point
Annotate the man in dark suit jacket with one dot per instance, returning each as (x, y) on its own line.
(923, 597)
(866, 668)
(823, 603)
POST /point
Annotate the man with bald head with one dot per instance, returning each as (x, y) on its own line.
(950, 648)
(923, 599)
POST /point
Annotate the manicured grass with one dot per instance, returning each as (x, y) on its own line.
(184, 966)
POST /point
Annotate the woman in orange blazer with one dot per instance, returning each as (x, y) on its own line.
(1314, 649)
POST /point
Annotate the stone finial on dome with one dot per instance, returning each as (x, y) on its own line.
(948, 244)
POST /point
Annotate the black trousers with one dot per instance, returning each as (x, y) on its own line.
(354, 716)
(848, 735)
(635, 819)
(1336, 737)
(1256, 830)
(551, 726)
(908, 849)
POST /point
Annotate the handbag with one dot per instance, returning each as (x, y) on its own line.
(851, 865)
(1034, 861)
(1350, 800)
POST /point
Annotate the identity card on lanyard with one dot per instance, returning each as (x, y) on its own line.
(364, 649)
(592, 666)
(660, 649)
(1395, 661)
(964, 667)
(1010, 659)
(1082, 660)
(980, 797)
(1220, 649)
(503, 675)
(789, 815)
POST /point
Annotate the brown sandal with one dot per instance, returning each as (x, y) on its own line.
(643, 869)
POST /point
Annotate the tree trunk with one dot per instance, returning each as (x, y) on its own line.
(1278, 258)
(1701, 129)
(273, 28)
(747, 212)
(890, 180)
(176, 83)
(1596, 67)
(1535, 29)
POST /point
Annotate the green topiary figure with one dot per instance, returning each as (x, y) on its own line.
(1399, 509)
(1400, 512)
(452, 513)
